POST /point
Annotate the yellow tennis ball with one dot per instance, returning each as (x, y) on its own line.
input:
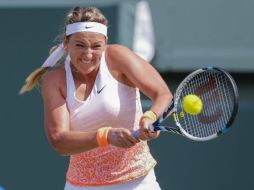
(192, 104)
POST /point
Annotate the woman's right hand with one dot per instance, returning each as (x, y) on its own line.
(121, 137)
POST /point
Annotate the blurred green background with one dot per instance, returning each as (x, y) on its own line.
(188, 35)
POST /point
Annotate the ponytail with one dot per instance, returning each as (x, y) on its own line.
(33, 79)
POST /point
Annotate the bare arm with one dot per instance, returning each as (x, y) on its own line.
(57, 121)
(142, 75)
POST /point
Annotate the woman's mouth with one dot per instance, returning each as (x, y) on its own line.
(85, 62)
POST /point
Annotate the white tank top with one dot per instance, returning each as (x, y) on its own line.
(114, 104)
(110, 102)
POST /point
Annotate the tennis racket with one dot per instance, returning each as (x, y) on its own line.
(219, 94)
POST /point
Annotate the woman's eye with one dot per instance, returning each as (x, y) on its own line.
(79, 45)
(97, 46)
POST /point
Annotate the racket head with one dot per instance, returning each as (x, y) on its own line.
(219, 94)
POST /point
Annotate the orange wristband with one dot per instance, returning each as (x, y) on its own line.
(150, 114)
(102, 136)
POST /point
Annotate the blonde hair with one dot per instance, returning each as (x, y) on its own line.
(78, 14)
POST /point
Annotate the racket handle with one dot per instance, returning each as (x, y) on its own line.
(136, 133)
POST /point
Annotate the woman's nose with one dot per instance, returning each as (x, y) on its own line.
(88, 53)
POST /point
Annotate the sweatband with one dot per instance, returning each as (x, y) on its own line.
(149, 114)
(102, 136)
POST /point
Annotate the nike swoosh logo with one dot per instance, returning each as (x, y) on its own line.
(99, 91)
(87, 27)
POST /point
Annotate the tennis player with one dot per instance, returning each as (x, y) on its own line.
(92, 105)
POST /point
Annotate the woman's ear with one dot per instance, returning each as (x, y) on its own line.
(106, 42)
(65, 42)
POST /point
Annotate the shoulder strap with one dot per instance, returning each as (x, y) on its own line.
(70, 85)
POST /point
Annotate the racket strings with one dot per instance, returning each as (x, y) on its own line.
(223, 105)
(188, 120)
(225, 94)
(216, 93)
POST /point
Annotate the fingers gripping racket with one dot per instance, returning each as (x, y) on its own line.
(219, 95)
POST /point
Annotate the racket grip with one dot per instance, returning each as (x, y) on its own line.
(136, 134)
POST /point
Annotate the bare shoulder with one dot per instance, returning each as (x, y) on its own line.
(54, 81)
(116, 48)
(122, 62)
(117, 52)
(119, 56)
(53, 77)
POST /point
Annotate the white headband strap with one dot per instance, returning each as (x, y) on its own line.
(86, 27)
(58, 53)
(54, 57)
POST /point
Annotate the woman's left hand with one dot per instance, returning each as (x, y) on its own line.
(145, 133)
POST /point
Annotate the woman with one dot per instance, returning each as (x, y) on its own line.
(92, 105)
